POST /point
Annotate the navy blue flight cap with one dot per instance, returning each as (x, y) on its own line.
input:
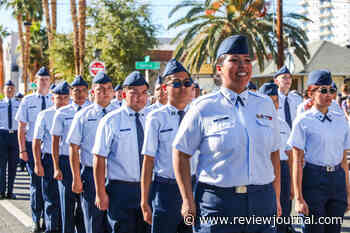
(52, 86)
(79, 81)
(118, 87)
(269, 88)
(19, 95)
(43, 72)
(283, 70)
(101, 78)
(9, 83)
(135, 79)
(196, 85)
(251, 86)
(173, 67)
(319, 78)
(236, 44)
(61, 89)
(159, 81)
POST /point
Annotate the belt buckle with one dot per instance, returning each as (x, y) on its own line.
(330, 168)
(241, 189)
(11, 131)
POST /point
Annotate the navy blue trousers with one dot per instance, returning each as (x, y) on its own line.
(95, 219)
(325, 194)
(212, 201)
(36, 195)
(8, 158)
(124, 212)
(286, 202)
(71, 211)
(52, 210)
(167, 203)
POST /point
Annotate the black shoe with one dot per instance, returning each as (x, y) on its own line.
(2, 196)
(11, 196)
(35, 228)
(43, 226)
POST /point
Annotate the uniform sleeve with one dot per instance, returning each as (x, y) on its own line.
(104, 138)
(75, 133)
(297, 137)
(300, 108)
(189, 135)
(347, 138)
(39, 126)
(57, 126)
(276, 130)
(150, 144)
(22, 113)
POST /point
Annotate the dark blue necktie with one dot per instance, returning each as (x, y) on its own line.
(326, 118)
(79, 108)
(43, 103)
(104, 112)
(181, 115)
(287, 113)
(140, 136)
(239, 101)
(9, 112)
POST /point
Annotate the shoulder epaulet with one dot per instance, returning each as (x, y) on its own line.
(206, 97)
(256, 94)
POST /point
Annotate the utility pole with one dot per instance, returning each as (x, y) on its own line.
(280, 49)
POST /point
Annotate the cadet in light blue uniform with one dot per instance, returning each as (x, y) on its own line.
(118, 100)
(319, 138)
(237, 134)
(252, 87)
(160, 94)
(72, 216)
(160, 131)
(119, 140)
(8, 140)
(288, 103)
(26, 116)
(270, 89)
(42, 145)
(81, 138)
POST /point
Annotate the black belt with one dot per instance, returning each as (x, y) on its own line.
(9, 131)
(324, 168)
(239, 189)
(123, 182)
(164, 180)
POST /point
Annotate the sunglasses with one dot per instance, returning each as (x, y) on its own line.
(325, 90)
(178, 83)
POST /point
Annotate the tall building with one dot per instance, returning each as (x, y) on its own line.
(330, 20)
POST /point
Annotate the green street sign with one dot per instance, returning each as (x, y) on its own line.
(141, 65)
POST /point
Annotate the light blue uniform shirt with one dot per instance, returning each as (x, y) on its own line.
(161, 127)
(235, 142)
(83, 130)
(42, 129)
(284, 133)
(29, 109)
(293, 101)
(4, 113)
(61, 123)
(334, 107)
(154, 106)
(324, 142)
(117, 103)
(116, 139)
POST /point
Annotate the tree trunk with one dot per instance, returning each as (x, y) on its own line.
(73, 9)
(54, 16)
(27, 49)
(22, 43)
(2, 76)
(49, 30)
(82, 22)
(280, 53)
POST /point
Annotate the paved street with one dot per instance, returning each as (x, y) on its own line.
(15, 214)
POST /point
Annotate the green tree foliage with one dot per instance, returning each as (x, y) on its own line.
(207, 24)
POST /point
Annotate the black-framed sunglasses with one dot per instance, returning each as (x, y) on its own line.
(325, 90)
(176, 83)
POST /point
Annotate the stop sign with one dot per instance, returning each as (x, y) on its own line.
(95, 67)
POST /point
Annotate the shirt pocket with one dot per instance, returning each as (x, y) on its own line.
(264, 135)
(32, 113)
(220, 137)
(166, 135)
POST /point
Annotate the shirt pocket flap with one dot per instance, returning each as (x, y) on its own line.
(264, 122)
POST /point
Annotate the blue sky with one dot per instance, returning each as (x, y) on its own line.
(160, 10)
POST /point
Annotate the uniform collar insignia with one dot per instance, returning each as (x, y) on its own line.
(262, 116)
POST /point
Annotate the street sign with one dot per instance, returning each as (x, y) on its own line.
(147, 64)
(141, 65)
(95, 67)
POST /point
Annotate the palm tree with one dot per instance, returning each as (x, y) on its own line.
(54, 16)
(82, 29)
(3, 33)
(73, 9)
(210, 22)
